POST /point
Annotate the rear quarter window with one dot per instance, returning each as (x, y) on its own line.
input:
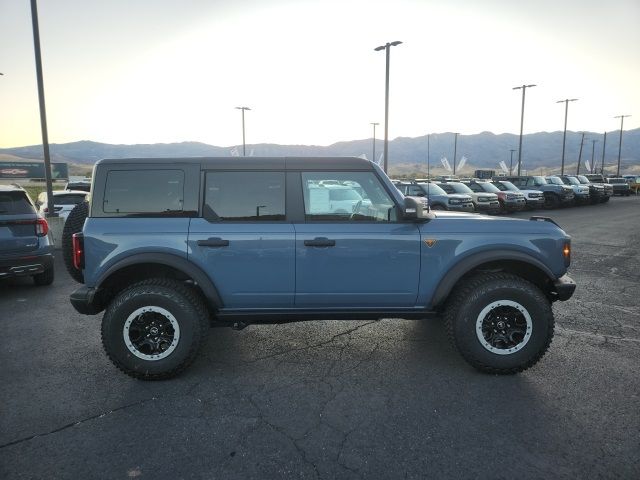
(140, 192)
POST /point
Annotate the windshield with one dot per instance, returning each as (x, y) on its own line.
(460, 188)
(571, 180)
(507, 186)
(489, 187)
(539, 181)
(555, 180)
(432, 189)
(583, 180)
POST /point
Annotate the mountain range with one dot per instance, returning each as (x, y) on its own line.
(483, 150)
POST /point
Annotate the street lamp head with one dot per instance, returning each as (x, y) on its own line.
(243, 108)
(396, 43)
(381, 47)
(567, 100)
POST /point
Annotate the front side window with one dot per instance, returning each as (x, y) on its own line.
(245, 196)
(346, 196)
(144, 192)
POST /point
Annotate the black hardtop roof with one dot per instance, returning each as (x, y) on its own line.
(250, 163)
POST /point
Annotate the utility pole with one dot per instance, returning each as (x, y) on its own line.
(244, 149)
(580, 155)
(604, 144)
(621, 117)
(387, 48)
(593, 151)
(428, 156)
(511, 162)
(564, 135)
(374, 140)
(524, 88)
(43, 112)
(455, 150)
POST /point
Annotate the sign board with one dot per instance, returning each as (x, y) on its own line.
(484, 174)
(9, 170)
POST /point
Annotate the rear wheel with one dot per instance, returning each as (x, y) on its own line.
(500, 323)
(551, 201)
(154, 329)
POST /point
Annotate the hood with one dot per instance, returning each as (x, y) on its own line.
(447, 222)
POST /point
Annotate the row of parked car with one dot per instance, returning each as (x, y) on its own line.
(25, 246)
(514, 193)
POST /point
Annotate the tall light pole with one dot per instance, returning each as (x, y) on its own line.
(511, 161)
(593, 152)
(455, 150)
(621, 117)
(604, 145)
(387, 48)
(375, 124)
(564, 135)
(524, 89)
(580, 155)
(244, 149)
(43, 113)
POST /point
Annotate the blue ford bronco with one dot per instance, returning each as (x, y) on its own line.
(171, 246)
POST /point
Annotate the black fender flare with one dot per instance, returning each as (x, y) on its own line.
(467, 264)
(179, 263)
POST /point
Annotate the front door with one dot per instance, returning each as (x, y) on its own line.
(352, 250)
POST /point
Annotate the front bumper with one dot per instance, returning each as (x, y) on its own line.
(583, 198)
(461, 207)
(563, 288)
(86, 300)
(535, 202)
(488, 206)
(567, 198)
(515, 205)
(24, 265)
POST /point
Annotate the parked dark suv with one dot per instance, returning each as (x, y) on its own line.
(25, 249)
(173, 244)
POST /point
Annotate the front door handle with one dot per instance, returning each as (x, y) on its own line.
(320, 242)
(213, 242)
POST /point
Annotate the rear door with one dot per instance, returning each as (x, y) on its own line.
(17, 223)
(243, 240)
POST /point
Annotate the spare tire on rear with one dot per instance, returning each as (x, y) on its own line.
(74, 224)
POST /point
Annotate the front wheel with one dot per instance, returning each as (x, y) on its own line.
(499, 322)
(154, 329)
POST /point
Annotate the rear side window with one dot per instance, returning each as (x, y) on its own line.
(144, 192)
(15, 203)
(245, 196)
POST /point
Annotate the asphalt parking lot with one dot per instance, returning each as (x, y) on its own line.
(386, 399)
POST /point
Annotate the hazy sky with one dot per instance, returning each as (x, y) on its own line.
(145, 71)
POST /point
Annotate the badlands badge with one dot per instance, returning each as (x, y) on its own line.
(430, 242)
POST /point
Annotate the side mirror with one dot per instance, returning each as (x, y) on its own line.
(413, 209)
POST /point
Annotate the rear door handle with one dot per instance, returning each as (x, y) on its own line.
(320, 242)
(213, 242)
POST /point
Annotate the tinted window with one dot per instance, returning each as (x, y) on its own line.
(500, 186)
(68, 199)
(144, 191)
(433, 189)
(245, 196)
(475, 187)
(370, 202)
(15, 203)
(460, 188)
(488, 187)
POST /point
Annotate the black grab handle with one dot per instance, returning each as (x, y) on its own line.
(320, 242)
(213, 242)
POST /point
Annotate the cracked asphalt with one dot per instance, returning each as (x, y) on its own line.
(329, 399)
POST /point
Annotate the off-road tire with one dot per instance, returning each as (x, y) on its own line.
(186, 306)
(466, 302)
(44, 278)
(73, 224)
(551, 201)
